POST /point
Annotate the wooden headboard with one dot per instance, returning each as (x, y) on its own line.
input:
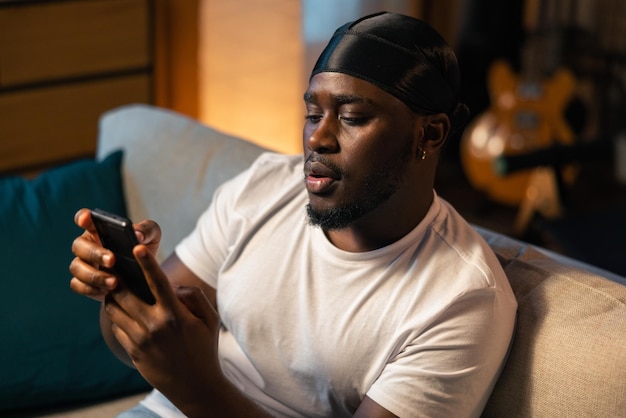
(77, 60)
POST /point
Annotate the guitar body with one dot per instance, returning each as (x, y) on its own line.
(524, 116)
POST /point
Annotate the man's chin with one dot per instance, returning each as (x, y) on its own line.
(331, 218)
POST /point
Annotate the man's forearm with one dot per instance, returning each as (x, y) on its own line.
(220, 398)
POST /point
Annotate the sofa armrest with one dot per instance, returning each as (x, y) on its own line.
(567, 357)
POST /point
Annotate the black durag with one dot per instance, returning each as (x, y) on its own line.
(384, 49)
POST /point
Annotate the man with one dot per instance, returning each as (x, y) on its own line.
(384, 303)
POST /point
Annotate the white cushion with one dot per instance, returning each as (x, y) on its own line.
(187, 159)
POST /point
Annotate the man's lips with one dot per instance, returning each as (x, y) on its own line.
(319, 178)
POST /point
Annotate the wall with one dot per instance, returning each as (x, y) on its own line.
(250, 63)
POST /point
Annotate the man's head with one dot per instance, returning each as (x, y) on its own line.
(401, 55)
(383, 96)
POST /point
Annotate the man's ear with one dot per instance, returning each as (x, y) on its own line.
(435, 132)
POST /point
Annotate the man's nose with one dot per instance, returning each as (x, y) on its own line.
(323, 137)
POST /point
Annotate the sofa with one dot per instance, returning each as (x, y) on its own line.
(567, 358)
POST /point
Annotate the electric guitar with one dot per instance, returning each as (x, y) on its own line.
(526, 114)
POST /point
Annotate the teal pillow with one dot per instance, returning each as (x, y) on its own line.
(51, 349)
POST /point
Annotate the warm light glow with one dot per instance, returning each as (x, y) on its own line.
(251, 65)
(496, 145)
(481, 136)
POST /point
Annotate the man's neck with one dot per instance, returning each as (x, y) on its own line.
(379, 228)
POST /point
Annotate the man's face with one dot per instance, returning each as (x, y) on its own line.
(358, 145)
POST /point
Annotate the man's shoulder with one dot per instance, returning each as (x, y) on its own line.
(272, 172)
(462, 239)
(272, 162)
(270, 179)
(270, 169)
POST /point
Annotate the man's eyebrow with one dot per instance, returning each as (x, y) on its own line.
(348, 98)
(340, 98)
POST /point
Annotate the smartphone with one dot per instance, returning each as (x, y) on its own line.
(118, 236)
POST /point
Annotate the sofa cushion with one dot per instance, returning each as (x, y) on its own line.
(189, 160)
(51, 350)
(568, 356)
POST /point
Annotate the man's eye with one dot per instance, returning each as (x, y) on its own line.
(313, 118)
(354, 120)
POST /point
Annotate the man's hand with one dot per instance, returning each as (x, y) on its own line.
(88, 279)
(172, 343)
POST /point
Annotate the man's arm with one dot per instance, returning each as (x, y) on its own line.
(370, 409)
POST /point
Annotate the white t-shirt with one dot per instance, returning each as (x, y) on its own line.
(421, 326)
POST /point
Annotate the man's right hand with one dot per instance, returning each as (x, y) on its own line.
(88, 279)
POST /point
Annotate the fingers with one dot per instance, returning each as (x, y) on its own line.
(91, 252)
(123, 326)
(82, 218)
(88, 279)
(155, 276)
(198, 304)
(148, 232)
(80, 287)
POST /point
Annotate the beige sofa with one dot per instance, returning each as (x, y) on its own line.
(568, 358)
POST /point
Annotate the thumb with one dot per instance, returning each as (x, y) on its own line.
(198, 304)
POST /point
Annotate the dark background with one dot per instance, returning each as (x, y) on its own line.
(592, 224)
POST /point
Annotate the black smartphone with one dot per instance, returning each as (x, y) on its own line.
(118, 236)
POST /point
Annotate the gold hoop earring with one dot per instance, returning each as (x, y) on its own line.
(423, 154)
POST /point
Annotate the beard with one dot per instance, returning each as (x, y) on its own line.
(376, 189)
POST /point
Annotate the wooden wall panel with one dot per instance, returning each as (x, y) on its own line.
(70, 39)
(60, 123)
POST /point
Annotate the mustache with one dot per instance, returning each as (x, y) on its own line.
(323, 160)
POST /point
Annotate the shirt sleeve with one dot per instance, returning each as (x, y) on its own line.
(450, 369)
(205, 249)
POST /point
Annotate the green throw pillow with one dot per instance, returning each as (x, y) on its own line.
(51, 349)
